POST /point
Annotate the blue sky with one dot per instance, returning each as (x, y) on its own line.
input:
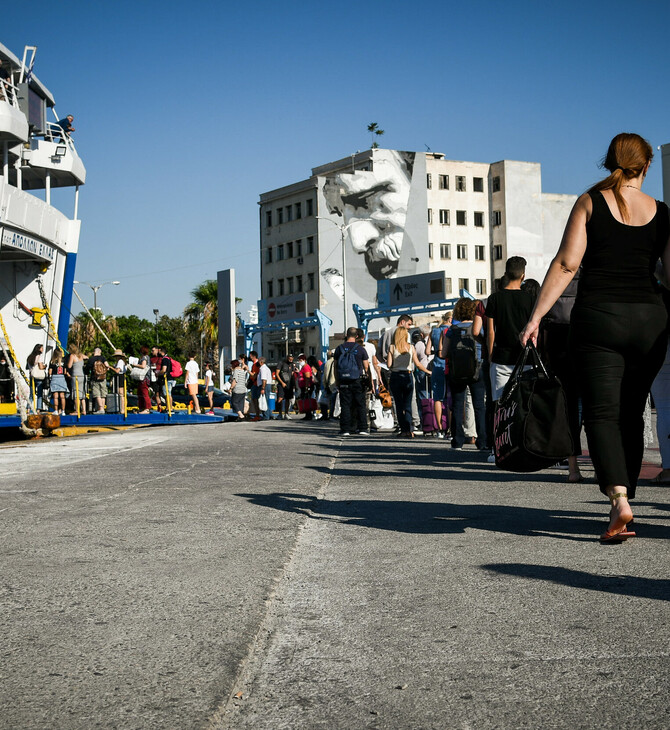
(186, 112)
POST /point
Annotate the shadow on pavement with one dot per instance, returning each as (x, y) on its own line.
(449, 519)
(624, 585)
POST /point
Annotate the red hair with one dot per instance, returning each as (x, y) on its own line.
(626, 158)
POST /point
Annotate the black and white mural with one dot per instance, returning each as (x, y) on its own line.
(384, 214)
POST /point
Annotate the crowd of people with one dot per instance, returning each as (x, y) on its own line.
(77, 383)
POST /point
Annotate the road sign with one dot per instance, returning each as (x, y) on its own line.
(282, 309)
(417, 289)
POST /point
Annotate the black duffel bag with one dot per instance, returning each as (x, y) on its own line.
(530, 426)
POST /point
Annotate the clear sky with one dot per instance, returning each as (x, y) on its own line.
(185, 112)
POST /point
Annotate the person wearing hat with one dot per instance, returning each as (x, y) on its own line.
(119, 371)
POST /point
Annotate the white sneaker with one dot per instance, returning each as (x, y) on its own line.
(491, 458)
(363, 433)
(417, 432)
(346, 433)
(440, 434)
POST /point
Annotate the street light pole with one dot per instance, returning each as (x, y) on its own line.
(156, 313)
(95, 289)
(343, 229)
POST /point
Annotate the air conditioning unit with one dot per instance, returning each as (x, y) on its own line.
(299, 260)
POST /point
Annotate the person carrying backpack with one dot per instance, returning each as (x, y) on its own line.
(464, 357)
(351, 361)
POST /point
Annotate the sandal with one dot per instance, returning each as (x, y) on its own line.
(620, 531)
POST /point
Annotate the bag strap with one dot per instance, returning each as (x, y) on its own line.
(522, 361)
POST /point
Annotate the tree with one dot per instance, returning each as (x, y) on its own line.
(85, 335)
(375, 131)
(202, 317)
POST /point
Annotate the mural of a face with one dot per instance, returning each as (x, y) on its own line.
(374, 206)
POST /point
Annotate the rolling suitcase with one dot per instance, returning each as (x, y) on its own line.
(114, 403)
(428, 420)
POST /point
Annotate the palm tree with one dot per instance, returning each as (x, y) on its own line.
(84, 333)
(202, 315)
(375, 131)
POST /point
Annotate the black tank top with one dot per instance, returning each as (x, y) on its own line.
(620, 260)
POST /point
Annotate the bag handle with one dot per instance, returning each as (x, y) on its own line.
(522, 360)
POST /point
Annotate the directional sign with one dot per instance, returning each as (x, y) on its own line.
(282, 309)
(417, 289)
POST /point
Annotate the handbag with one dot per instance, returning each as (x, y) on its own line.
(530, 426)
(36, 372)
(139, 374)
(262, 402)
(385, 397)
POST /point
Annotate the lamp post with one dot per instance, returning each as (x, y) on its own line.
(343, 229)
(95, 289)
(156, 313)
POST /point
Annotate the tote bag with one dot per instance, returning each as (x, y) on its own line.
(530, 424)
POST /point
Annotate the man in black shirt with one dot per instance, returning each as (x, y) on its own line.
(507, 311)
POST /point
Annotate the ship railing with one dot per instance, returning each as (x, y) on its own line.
(8, 92)
(55, 133)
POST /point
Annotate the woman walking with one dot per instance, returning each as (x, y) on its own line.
(618, 327)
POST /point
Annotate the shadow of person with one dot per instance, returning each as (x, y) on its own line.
(447, 518)
(624, 585)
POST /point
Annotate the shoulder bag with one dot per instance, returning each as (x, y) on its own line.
(530, 425)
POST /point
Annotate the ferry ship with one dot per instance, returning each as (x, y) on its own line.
(39, 242)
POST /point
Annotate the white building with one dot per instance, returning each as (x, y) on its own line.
(400, 213)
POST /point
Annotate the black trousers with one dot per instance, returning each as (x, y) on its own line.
(618, 349)
(353, 413)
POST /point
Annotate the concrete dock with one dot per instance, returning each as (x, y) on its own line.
(274, 575)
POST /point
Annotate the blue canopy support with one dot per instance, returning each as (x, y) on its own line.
(318, 320)
(365, 316)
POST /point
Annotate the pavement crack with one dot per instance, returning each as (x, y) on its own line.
(219, 718)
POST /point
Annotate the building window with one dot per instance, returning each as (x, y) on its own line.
(444, 182)
(280, 216)
(444, 217)
(495, 184)
(478, 184)
(280, 283)
(447, 286)
(480, 253)
(298, 283)
(464, 284)
(430, 215)
(429, 181)
(481, 286)
(497, 218)
(298, 211)
(290, 284)
(310, 244)
(445, 250)
(310, 207)
(280, 252)
(462, 252)
(460, 183)
(310, 282)
(497, 253)
(298, 247)
(479, 219)
(268, 218)
(430, 250)
(269, 289)
(289, 250)
(461, 218)
(268, 255)
(289, 213)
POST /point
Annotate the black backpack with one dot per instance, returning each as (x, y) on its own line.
(347, 364)
(463, 364)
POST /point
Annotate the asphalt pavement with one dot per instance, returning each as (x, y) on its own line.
(274, 575)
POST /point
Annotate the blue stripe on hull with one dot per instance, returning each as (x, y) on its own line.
(66, 298)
